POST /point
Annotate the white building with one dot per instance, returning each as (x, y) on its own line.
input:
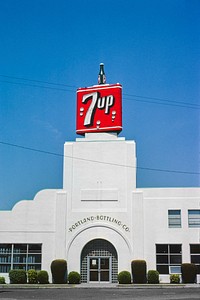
(99, 222)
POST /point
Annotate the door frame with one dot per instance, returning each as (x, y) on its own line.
(99, 270)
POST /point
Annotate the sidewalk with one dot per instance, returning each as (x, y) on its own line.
(97, 285)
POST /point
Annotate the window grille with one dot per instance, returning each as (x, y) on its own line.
(194, 218)
(20, 256)
(174, 218)
(168, 258)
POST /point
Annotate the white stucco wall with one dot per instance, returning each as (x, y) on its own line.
(99, 175)
(36, 221)
(99, 200)
(157, 202)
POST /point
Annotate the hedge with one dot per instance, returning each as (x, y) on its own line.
(189, 273)
(2, 280)
(124, 277)
(59, 271)
(153, 277)
(32, 276)
(18, 276)
(139, 271)
(174, 278)
(43, 277)
(74, 277)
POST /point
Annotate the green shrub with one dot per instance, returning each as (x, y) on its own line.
(18, 276)
(43, 277)
(189, 273)
(59, 271)
(174, 278)
(124, 277)
(74, 277)
(153, 277)
(2, 280)
(139, 271)
(32, 276)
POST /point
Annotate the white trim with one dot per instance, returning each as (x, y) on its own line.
(108, 86)
(99, 130)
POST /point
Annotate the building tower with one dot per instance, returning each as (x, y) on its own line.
(99, 176)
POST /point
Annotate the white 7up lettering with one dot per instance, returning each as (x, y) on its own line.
(97, 102)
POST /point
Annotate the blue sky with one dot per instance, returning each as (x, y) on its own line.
(51, 47)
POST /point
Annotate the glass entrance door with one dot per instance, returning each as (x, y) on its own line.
(99, 269)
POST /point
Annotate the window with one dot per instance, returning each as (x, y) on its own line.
(174, 218)
(195, 255)
(168, 258)
(20, 256)
(194, 218)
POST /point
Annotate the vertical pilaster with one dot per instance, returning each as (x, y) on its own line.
(60, 224)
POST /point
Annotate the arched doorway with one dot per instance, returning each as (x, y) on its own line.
(99, 262)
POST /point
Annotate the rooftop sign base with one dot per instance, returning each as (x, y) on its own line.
(99, 109)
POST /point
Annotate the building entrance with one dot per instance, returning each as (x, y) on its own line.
(99, 262)
(99, 269)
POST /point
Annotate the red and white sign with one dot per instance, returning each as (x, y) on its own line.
(99, 108)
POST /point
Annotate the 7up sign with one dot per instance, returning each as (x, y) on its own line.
(99, 108)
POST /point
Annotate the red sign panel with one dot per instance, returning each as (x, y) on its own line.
(99, 108)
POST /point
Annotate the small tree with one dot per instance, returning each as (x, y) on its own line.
(189, 273)
(59, 271)
(139, 271)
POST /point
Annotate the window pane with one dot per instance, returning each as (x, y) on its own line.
(94, 263)
(195, 248)
(195, 259)
(174, 218)
(162, 248)
(19, 258)
(175, 248)
(21, 267)
(162, 259)
(32, 259)
(174, 212)
(36, 267)
(194, 211)
(20, 248)
(94, 276)
(174, 223)
(5, 248)
(175, 259)
(194, 218)
(175, 269)
(5, 258)
(104, 263)
(104, 276)
(5, 268)
(34, 248)
(163, 269)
